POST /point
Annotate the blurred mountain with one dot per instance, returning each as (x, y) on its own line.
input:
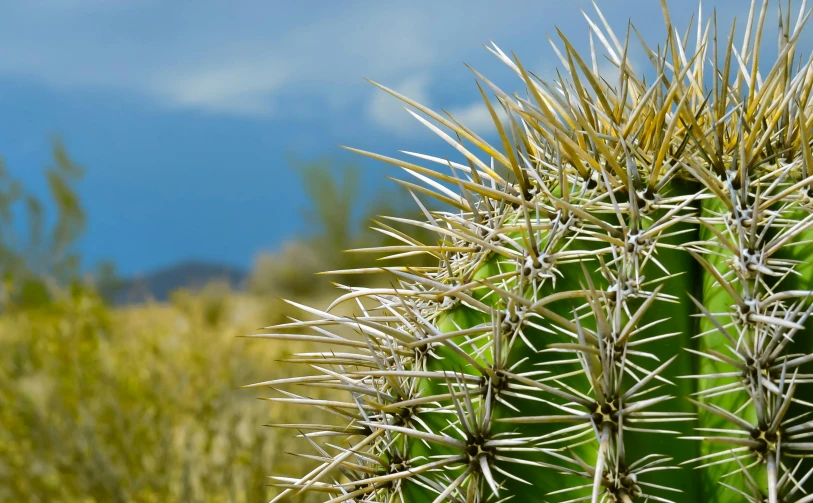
(159, 284)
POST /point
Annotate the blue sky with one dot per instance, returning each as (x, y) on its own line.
(184, 113)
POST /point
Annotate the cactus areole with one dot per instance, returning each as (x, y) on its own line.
(619, 308)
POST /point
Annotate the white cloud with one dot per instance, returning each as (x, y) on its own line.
(388, 111)
(236, 88)
(252, 58)
(258, 57)
(476, 117)
(242, 61)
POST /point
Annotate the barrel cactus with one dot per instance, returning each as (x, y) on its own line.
(620, 306)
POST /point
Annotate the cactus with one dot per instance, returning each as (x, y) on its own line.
(620, 308)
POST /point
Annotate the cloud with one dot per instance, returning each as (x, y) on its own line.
(242, 89)
(254, 58)
(258, 58)
(476, 117)
(388, 111)
(181, 55)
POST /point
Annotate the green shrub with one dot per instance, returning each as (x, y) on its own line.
(138, 404)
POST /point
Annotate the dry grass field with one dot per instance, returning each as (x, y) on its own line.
(142, 404)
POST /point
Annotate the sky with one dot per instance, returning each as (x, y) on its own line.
(185, 114)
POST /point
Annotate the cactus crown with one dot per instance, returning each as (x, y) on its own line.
(629, 264)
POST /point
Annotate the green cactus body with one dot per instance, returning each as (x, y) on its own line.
(622, 315)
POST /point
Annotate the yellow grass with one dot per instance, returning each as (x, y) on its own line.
(141, 404)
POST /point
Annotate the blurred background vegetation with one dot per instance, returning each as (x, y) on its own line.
(111, 390)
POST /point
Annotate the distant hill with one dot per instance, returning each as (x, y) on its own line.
(159, 284)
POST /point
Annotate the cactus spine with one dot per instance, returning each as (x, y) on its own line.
(622, 287)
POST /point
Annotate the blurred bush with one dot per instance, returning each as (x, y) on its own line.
(339, 217)
(141, 404)
(138, 404)
(290, 272)
(37, 254)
